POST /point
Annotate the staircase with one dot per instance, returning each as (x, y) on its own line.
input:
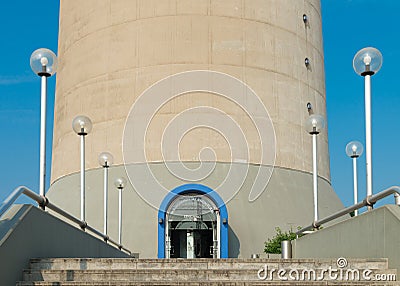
(196, 272)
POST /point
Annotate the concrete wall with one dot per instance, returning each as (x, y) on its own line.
(27, 232)
(374, 234)
(286, 202)
(110, 51)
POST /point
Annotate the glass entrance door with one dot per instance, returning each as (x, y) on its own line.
(192, 244)
(192, 228)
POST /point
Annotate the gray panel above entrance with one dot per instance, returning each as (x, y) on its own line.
(286, 202)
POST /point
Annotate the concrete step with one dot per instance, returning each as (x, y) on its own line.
(250, 264)
(214, 283)
(189, 275)
(123, 271)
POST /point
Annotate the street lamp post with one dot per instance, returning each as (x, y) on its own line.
(354, 149)
(82, 126)
(105, 160)
(315, 123)
(43, 63)
(366, 63)
(120, 183)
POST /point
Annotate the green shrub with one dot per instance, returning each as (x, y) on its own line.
(273, 245)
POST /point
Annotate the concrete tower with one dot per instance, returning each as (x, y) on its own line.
(162, 81)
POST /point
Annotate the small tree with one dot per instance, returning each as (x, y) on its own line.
(273, 245)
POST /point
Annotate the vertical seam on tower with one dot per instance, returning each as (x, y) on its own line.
(210, 58)
(244, 50)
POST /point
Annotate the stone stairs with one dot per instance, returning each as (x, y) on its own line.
(196, 272)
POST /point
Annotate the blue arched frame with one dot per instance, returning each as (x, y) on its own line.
(201, 189)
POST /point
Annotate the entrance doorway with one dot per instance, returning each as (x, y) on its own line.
(192, 227)
(198, 212)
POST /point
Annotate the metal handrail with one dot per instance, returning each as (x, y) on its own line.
(368, 201)
(44, 202)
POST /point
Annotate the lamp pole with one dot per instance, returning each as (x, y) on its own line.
(315, 175)
(354, 150)
(120, 184)
(105, 160)
(82, 126)
(315, 123)
(366, 63)
(44, 63)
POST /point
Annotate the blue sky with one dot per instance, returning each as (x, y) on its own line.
(348, 26)
(24, 27)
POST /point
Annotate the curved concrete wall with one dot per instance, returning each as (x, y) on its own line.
(111, 51)
(285, 203)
